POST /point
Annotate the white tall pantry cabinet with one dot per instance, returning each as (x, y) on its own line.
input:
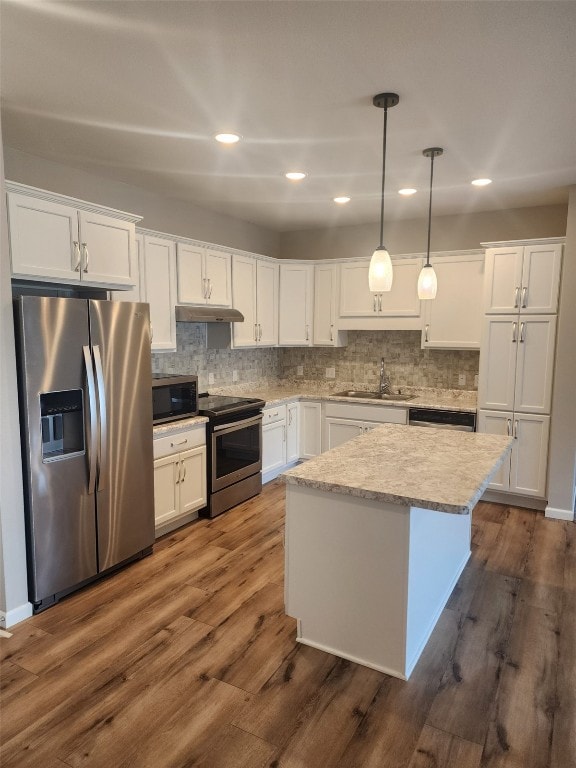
(517, 359)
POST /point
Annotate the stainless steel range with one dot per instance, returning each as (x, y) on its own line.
(234, 441)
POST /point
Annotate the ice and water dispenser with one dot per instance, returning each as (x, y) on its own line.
(62, 419)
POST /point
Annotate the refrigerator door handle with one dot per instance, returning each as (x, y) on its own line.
(103, 449)
(93, 449)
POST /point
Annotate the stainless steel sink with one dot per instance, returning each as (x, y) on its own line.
(373, 395)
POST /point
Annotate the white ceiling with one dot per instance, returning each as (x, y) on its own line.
(135, 91)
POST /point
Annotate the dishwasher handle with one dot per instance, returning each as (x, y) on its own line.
(433, 425)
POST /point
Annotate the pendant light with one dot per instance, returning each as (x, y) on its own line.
(427, 282)
(380, 273)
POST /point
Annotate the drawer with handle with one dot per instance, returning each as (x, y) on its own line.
(274, 413)
(179, 441)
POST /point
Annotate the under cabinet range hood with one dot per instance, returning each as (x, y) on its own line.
(193, 314)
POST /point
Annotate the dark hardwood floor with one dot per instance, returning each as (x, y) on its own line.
(187, 659)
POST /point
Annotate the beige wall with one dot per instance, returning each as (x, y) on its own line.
(562, 459)
(449, 233)
(176, 217)
(13, 582)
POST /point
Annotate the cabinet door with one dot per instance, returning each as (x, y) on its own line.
(138, 292)
(107, 247)
(453, 320)
(496, 380)
(325, 295)
(218, 273)
(529, 455)
(541, 279)
(192, 479)
(402, 300)
(44, 239)
(292, 432)
(339, 431)
(310, 429)
(535, 363)
(166, 472)
(497, 423)
(356, 299)
(267, 303)
(296, 297)
(192, 287)
(160, 269)
(244, 299)
(503, 280)
(273, 446)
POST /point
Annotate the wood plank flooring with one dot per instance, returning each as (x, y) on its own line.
(187, 659)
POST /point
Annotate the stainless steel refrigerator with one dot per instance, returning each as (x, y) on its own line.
(86, 415)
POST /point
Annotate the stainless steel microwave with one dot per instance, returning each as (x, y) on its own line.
(174, 398)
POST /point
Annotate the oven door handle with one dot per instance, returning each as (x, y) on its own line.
(237, 424)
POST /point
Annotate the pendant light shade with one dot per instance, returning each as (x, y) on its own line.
(380, 274)
(427, 281)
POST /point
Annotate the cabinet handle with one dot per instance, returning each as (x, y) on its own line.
(522, 326)
(255, 332)
(289, 418)
(374, 303)
(515, 429)
(182, 442)
(514, 327)
(260, 332)
(379, 302)
(284, 432)
(204, 289)
(183, 471)
(508, 427)
(307, 332)
(77, 256)
(86, 257)
(331, 333)
(151, 332)
(177, 470)
(516, 295)
(524, 294)
(209, 287)
(426, 333)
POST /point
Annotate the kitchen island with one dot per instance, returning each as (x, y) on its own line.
(377, 534)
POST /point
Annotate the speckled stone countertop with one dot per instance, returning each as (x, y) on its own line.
(444, 470)
(174, 427)
(443, 399)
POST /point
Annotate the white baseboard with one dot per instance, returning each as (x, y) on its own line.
(560, 514)
(15, 616)
(514, 500)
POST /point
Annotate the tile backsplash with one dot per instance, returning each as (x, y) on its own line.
(407, 365)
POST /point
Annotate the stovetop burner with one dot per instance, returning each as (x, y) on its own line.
(221, 405)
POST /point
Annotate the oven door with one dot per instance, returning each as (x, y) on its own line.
(236, 451)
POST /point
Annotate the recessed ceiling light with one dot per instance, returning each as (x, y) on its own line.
(342, 200)
(481, 182)
(407, 191)
(227, 138)
(295, 175)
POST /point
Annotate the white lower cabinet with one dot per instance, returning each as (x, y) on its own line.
(179, 478)
(524, 472)
(280, 435)
(342, 422)
(310, 427)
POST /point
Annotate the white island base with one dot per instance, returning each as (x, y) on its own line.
(367, 580)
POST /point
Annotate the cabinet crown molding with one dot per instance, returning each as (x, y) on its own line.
(202, 244)
(535, 241)
(55, 197)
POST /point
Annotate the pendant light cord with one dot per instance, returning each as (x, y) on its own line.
(430, 209)
(383, 177)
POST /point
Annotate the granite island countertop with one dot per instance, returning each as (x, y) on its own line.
(436, 469)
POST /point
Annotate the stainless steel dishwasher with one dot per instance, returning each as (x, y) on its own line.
(439, 419)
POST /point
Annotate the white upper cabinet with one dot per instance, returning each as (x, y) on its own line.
(159, 286)
(61, 240)
(296, 305)
(326, 293)
(204, 275)
(255, 295)
(517, 363)
(524, 278)
(453, 320)
(399, 308)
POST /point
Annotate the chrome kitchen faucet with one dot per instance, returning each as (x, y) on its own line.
(384, 380)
